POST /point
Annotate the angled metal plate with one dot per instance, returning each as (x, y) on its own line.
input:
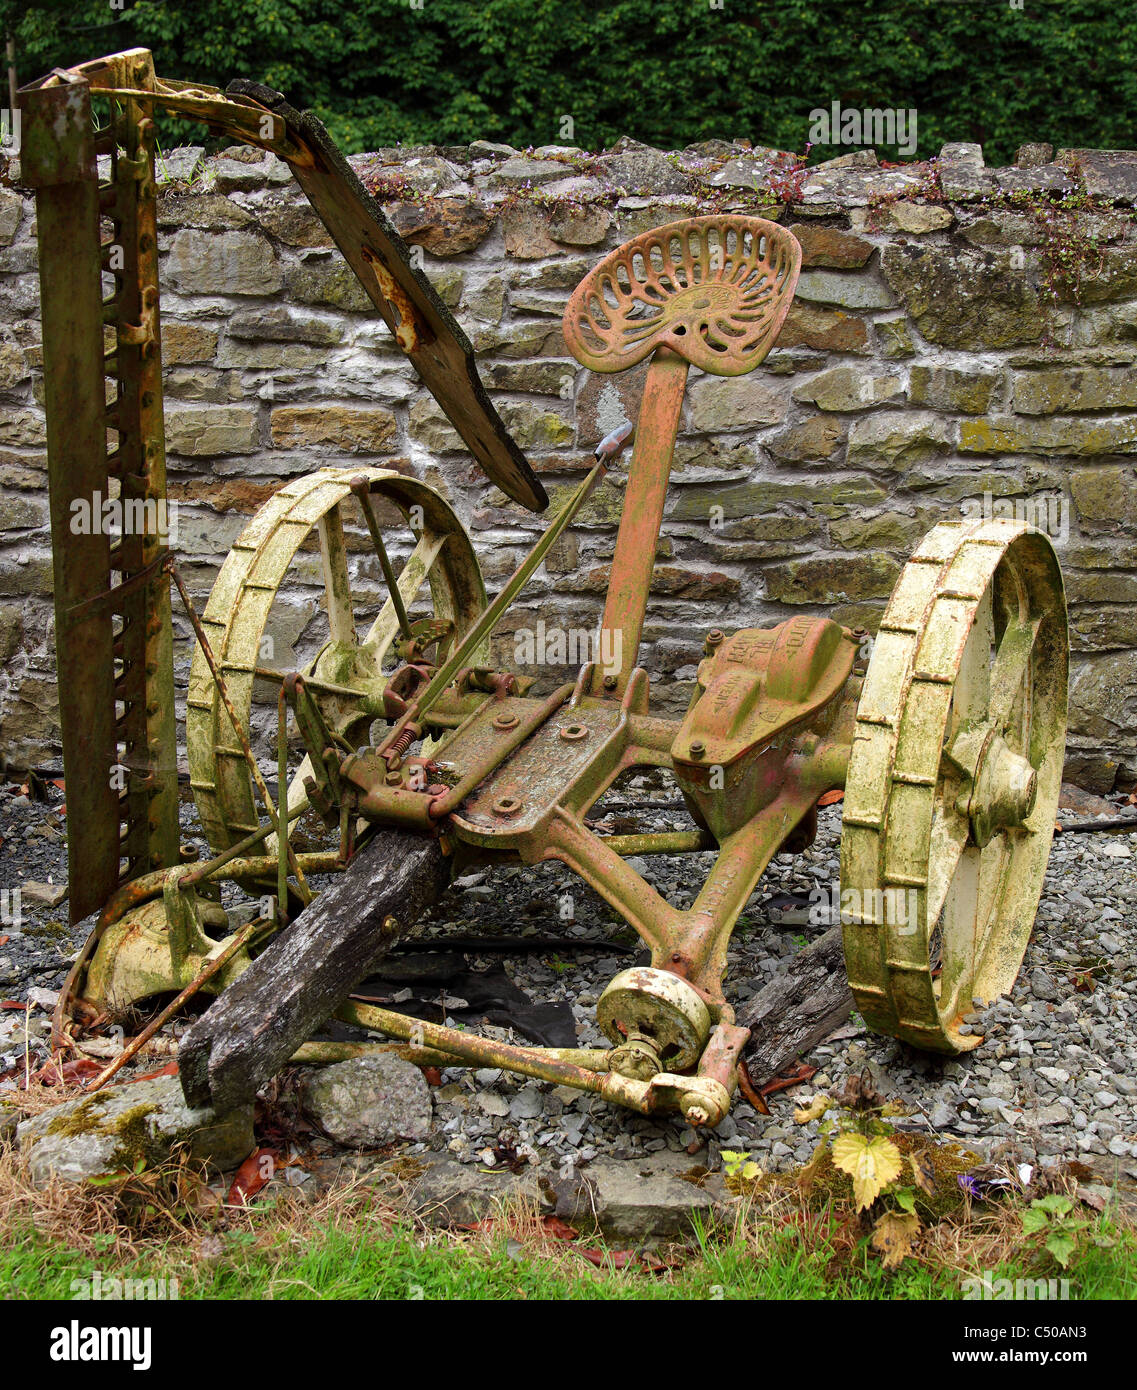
(423, 326)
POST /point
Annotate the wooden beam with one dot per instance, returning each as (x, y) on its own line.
(796, 1010)
(256, 1025)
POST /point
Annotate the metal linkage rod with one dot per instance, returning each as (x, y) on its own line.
(492, 615)
(362, 490)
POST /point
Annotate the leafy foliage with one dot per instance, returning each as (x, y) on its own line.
(863, 1148)
(739, 1165)
(894, 1236)
(668, 72)
(813, 1111)
(1052, 1218)
(872, 1161)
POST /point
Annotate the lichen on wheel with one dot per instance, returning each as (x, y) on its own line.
(953, 780)
(350, 672)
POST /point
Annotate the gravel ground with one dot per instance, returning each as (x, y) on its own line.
(1056, 1076)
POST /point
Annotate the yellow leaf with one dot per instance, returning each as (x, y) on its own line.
(893, 1235)
(923, 1172)
(871, 1163)
(813, 1111)
(809, 1172)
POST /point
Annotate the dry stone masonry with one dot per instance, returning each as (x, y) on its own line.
(961, 337)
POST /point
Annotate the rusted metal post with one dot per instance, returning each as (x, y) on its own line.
(58, 160)
(642, 517)
(362, 491)
(145, 680)
(535, 1062)
(492, 615)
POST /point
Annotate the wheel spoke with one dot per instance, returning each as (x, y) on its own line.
(296, 796)
(337, 585)
(973, 684)
(414, 574)
(1011, 670)
(970, 913)
(948, 838)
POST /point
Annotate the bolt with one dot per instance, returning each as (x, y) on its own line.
(506, 721)
(715, 637)
(697, 1115)
(698, 748)
(610, 682)
(394, 778)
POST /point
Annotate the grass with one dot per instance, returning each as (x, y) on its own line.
(358, 1242)
(370, 1262)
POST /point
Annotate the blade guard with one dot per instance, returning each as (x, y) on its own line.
(422, 325)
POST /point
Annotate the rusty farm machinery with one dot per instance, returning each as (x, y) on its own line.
(419, 759)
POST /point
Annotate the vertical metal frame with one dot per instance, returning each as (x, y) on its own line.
(114, 642)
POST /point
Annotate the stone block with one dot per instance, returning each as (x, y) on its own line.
(204, 432)
(346, 429)
(849, 388)
(222, 263)
(733, 403)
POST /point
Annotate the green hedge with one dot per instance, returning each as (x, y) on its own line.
(668, 72)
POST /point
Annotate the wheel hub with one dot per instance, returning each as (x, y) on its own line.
(655, 1019)
(1003, 792)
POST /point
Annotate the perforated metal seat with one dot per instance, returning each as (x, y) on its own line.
(714, 289)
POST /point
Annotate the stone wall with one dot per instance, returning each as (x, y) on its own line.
(957, 333)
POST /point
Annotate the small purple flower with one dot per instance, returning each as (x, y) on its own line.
(969, 1185)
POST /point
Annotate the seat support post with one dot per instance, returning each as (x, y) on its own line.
(640, 521)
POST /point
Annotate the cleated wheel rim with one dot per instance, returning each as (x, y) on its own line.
(953, 780)
(440, 578)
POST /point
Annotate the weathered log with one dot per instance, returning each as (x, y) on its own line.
(256, 1024)
(795, 1011)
